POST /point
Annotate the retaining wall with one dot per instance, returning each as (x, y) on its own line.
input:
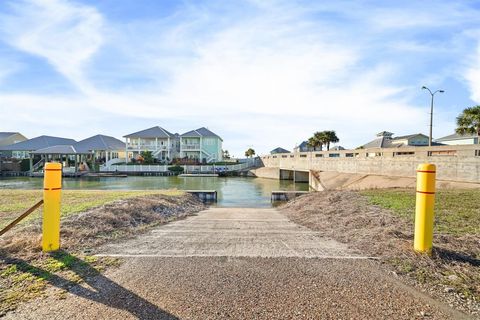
(454, 163)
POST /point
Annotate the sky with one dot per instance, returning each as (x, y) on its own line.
(260, 74)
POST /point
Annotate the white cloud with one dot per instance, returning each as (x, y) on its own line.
(65, 34)
(473, 75)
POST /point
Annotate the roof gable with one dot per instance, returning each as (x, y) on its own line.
(279, 150)
(200, 132)
(153, 132)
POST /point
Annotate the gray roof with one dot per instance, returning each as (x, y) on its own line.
(457, 136)
(279, 150)
(200, 132)
(99, 142)
(4, 135)
(37, 143)
(304, 144)
(409, 136)
(153, 132)
(59, 149)
(386, 141)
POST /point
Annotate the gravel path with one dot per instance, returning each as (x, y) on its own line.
(238, 264)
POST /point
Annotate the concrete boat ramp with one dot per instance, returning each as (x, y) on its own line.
(232, 232)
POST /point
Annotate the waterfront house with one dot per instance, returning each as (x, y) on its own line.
(22, 150)
(457, 139)
(201, 145)
(104, 149)
(385, 139)
(8, 138)
(164, 145)
(279, 150)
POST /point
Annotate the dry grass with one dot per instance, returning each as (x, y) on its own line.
(92, 219)
(14, 202)
(452, 271)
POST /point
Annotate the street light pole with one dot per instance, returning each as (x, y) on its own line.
(431, 112)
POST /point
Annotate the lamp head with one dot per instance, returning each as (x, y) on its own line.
(441, 91)
(424, 88)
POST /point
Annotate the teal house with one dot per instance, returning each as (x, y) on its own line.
(202, 145)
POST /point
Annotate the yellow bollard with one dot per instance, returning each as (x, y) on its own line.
(52, 188)
(424, 211)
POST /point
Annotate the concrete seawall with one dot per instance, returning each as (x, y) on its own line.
(454, 163)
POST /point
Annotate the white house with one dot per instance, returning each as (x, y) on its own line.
(456, 139)
(163, 144)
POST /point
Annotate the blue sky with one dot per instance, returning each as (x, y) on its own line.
(261, 74)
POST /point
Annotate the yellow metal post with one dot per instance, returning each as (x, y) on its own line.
(424, 212)
(52, 188)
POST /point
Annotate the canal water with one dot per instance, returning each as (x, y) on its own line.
(231, 191)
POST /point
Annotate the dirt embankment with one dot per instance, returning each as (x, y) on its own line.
(451, 273)
(114, 220)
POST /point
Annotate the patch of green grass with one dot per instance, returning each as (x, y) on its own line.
(21, 280)
(457, 212)
(13, 202)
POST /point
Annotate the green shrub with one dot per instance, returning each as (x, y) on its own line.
(176, 169)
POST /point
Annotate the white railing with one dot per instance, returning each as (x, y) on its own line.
(186, 168)
(190, 147)
(146, 147)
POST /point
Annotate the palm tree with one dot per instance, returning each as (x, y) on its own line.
(468, 122)
(249, 153)
(313, 143)
(331, 137)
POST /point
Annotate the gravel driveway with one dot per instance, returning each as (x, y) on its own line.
(240, 264)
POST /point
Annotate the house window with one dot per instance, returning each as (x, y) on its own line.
(291, 156)
(274, 156)
(334, 155)
(477, 153)
(349, 155)
(284, 156)
(303, 156)
(318, 155)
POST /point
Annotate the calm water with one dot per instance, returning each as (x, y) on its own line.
(232, 191)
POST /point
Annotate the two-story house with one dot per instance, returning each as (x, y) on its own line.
(202, 145)
(164, 145)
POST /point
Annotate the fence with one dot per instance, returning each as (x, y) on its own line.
(187, 168)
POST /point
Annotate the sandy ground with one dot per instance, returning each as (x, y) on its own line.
(240, 264)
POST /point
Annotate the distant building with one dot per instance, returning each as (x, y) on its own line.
(385, 139)
(22, 150)
(456, 139)
(304, 147)
(202, 145)
(279, 150)
(8, 138)
(163, 144)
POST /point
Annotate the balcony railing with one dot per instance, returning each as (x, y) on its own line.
(145, 146)
(190, 147)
